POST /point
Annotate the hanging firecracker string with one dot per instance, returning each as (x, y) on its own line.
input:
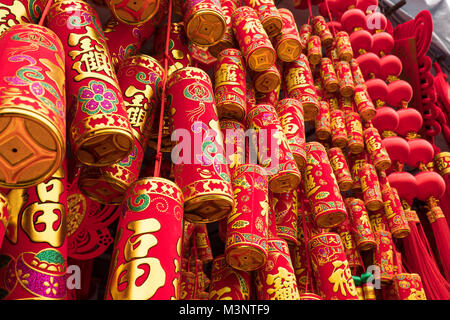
(163, 94)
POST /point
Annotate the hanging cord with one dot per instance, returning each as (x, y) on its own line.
(163, 94)
(310, 12)
(46, 10)
(330, 17)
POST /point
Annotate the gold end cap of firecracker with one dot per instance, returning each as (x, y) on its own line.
(311, 110)
(217, 48)
(245, 257)
(105, 147)
(374, 205)
(330, 219)
(289, 50)
(261, 59)
(206, 27)
(32, 148)
(356, 148)
(367, 245)
(208, 208)
(284, 182)
(345, 185)
(272, 25)
(101, 187)
(133, 12)
(267, 82)
(230, 111)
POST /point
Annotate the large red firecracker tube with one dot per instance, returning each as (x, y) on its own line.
(290, 113)
(274, 153)
(125, 40)
(253, 40)
(355, 163)
(287, 43)
(16, 12)
(348, 241)
(377, 153)
(364, 238)
(300, 85)
(321, 188)
(133, 12)
(146, 260)
(228, 283)
(285, 209)
(202, 243)
(344, 73)
(228, 40)
(334, 277)
(32, 107)
(230, 85)
(100, 132)
(370, 187)
(395, 215)
(364, 103)
(408, 286)
(354, 132)
(305, 32)
(322, 123)
(321, 29)
(340, 168)
(268, 14)
(343, 46)
(140, 78)
(328, 75)
(204, 21)
(314, 51)
(200, 167)
(339, 136)
(234, 142)
(268, 80)
(378, 220)
(34, 251)
(276, 280)
(383, 256)
(246, 244)
(442, 164)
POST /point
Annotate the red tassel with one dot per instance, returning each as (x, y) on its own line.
(418, 258)
(441, 234)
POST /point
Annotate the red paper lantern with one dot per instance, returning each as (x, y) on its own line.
(386, 121)
(383, 43)
(390, 68)
(410, 120)
(406, 185)
(361, 41)
(421, 152)
(377, 90)
(397, 148)
(369, 64)
(353, 20)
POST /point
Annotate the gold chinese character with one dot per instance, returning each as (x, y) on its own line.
(342, 278)
(284, 285)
